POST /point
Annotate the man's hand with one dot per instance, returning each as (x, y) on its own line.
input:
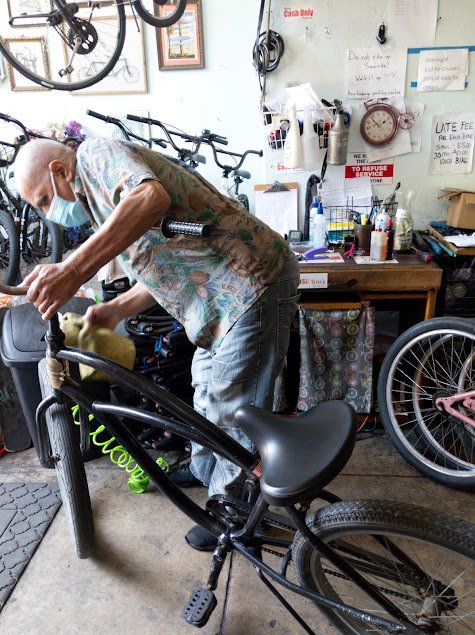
(103, 314)
(51, 286)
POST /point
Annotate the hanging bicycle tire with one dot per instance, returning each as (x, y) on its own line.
(148, 10)
(41, 241)
(433, 359)
(421, 561)
(9, 249)
(75, 37)
(70, 471)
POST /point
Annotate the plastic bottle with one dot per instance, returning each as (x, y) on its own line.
(390, 234)
(403, 231)
(311, 220)
(293, 146)
(382, 220)
(379, 240)
(320, 228)
(310, 143)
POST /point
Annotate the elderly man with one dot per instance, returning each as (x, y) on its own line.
(235, 292)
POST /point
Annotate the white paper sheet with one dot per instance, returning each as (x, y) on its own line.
(415, 132)
(461, 241)
(346, 192)
(452, 143)
(413, 22)
(401, 144)
(442, 70)
(278, 209)
(375, 73)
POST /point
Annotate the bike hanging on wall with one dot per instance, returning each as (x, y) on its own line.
(74, 45)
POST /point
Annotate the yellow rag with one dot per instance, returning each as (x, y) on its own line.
(97, 339)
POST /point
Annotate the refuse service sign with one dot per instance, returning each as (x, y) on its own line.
(357, 166)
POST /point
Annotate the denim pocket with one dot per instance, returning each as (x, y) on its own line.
(287, 308)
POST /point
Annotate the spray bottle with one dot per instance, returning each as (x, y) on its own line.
(293, 146)
(310, 143)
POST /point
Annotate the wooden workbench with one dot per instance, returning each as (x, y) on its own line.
(410, 280)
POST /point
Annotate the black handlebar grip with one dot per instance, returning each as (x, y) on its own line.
(170, 227)
(139, 119)
(97, 115)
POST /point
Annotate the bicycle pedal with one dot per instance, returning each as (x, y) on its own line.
(199, 607)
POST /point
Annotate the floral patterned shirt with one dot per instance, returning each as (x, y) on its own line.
(205, 283)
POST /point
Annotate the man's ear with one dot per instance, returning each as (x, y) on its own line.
(59, 168)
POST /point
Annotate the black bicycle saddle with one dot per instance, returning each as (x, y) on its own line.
(300, 455)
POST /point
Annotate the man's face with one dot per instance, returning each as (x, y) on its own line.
(40, 194)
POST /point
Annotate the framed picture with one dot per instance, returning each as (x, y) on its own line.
(17, 7)
(129, 74)
(30, 51)
(180, 46)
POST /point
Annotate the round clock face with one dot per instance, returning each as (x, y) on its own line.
(379, 125)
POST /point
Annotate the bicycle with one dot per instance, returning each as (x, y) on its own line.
(126, 132)
(426, 396)
(81, 42)
(237, 174)
(189, 156)
(27, 236)
(371, 565)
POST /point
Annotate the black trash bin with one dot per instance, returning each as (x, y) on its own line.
(23, 345)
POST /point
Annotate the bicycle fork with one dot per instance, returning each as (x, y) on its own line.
(444, 404)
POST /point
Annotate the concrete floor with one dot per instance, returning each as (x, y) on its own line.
(143, 571)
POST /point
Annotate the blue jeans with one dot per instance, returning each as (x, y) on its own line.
(243, 372)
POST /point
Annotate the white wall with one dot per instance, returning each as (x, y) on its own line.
(225, 96)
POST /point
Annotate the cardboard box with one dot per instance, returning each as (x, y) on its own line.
(462, 208)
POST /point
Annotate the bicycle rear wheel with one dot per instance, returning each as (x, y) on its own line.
(9, 249)
(70, 471)
(42, 241)
(430, 580)
(53, 48)
(150, 12)
(433, 359)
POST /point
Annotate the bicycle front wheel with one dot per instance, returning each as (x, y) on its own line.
(41, 241)
(435, 358)
(72, 46)
(70, 471)
(150, 11)
(9, 249)
(422, 561)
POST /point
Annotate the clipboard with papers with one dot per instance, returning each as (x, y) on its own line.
(277, 205)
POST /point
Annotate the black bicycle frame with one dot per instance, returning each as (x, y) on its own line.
(209, 435)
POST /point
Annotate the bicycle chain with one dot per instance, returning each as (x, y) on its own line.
(336, 574)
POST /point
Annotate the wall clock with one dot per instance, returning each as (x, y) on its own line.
(381, 122)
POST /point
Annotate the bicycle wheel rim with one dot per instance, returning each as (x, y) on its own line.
(43, 53)
(438, 446)
(430, 578)
(9, 249)
(41, 242)
(151, 12)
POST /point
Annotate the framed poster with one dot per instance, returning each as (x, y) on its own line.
(17, 7)
(128, 75)
(30, 51)
(180, 46)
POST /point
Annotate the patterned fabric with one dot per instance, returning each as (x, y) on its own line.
(206, 284)
(336, 351)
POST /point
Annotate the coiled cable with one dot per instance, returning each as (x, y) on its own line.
(268, 50)
(138, 479)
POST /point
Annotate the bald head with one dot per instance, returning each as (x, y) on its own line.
(32, 166)
(33, 159)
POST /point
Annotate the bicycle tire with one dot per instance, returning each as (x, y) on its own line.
(158, 21)
(56, 55)
(244, 200)
(70, 471)
(9, 249)
(417, 368)
(353, 527)
(42, 241)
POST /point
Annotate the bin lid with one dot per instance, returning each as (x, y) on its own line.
(23, 333)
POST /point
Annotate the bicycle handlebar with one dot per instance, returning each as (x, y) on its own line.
(232, 168)
(128, 134)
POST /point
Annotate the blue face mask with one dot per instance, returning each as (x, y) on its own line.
(66, 213)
